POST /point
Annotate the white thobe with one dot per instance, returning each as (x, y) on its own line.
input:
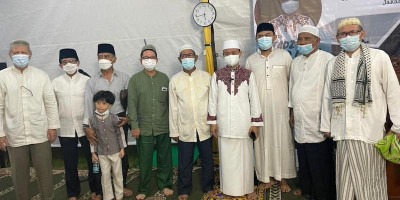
(70, 94)
(351, 123)
(307, 78)
(188, 102)
(28, 106)
(234, 106)
(274, 149)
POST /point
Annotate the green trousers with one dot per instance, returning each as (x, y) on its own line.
(146, 146)
(40, 154)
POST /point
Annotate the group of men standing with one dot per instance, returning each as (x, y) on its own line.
(325, 99)
(318, 95)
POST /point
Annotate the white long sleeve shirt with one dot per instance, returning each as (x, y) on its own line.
(70, 94)
(307, 78)
(233, 102)
(351, 123)
(28, 107)
(188, 102)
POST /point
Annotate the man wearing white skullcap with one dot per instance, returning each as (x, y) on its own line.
(314, 149)
(274, 150)
(360, 87)
(234, 114)
(188, 102)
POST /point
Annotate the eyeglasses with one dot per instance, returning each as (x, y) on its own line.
(64, 62)
(148, 57)
(189, 55)
(351, 33)
(26, 89)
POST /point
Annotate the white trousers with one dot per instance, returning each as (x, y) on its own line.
(236, 166)
(108, 162)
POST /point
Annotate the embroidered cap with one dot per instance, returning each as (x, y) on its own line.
(184, 47)
(231, 44)
(309, 29)
(348, 21)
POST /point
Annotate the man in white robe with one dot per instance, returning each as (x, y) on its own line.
(360, 87)
(314, 149)
(234, 114)
(274, 149)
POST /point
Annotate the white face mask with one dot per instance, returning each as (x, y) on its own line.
(70, 68)
(149, 64)
(231, 60)
(104, 64)
(290, 6)
(20, 60)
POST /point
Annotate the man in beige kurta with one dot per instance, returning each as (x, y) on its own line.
(274, 150)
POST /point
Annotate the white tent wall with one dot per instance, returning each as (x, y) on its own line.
(52, 25)
(234, 21)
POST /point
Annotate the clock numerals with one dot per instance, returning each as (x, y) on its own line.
(204, 14)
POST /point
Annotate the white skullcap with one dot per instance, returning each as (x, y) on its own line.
(347, 22)
(309, 29)
(186, 46)
(231, 44)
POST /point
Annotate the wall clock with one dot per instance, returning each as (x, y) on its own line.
(204, 14)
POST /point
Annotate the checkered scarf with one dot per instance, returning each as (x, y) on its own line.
(362, 94)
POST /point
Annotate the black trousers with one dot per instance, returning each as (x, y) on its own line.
(2, 159)
(125, 161)
(317, 170)
(70, 153)
(185, 165)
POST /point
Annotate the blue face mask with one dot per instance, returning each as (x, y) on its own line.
(350, 43)
(306, 48)
(187, 63)
(20, 60)
(264, 43)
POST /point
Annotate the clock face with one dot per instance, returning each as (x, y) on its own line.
(204, 14)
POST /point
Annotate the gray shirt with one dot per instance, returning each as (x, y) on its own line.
(108, 134)
(119, 81)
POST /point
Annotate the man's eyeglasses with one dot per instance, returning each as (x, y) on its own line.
(26, 89)
(189, 55)
(148, 57)
(64, 62)
(351, 33)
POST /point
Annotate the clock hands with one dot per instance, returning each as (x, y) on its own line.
(204, 15)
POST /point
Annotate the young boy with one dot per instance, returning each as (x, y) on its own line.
(110, 145)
